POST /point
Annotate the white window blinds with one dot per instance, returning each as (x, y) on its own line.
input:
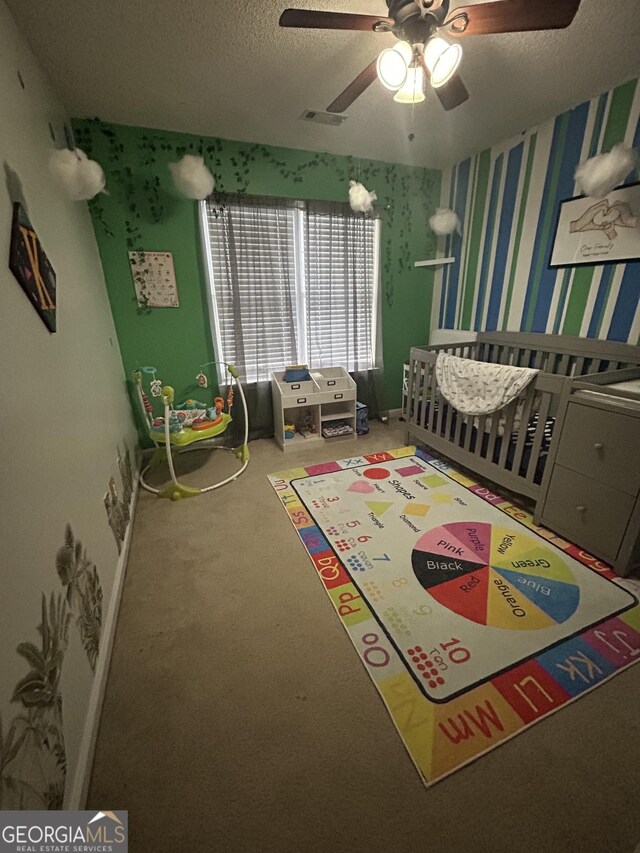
(341, 275)
(290, 285)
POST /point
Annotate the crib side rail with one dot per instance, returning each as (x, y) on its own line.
(421, 385)
(513, 438)
(506, 446)
(557, 354)
(540, 403)
(464, 349)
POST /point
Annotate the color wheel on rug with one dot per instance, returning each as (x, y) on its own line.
(472, 622)
(495, 577)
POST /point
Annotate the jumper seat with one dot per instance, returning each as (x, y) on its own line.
(188, 435)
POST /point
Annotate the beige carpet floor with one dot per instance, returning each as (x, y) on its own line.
(239, 718)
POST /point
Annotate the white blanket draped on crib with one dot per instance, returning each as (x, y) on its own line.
(479, 387)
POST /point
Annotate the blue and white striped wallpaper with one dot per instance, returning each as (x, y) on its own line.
(507, 198)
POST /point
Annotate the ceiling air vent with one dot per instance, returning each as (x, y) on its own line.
(323, 118)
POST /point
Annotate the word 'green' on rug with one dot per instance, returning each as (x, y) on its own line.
(472, 622)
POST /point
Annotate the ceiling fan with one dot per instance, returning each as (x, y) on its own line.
(421, 51)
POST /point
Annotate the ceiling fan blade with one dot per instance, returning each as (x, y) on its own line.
(354, 89)
(453, 93)
(309, 19)
(510, 16)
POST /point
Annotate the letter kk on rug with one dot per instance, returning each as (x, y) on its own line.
(473, 623)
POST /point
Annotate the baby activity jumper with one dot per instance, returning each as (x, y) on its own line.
(191, 425)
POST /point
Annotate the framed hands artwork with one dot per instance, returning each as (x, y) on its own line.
(598, 231)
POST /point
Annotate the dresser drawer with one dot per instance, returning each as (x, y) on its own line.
(591, 514)
(336, 396)
(299, 399)
(603, 445)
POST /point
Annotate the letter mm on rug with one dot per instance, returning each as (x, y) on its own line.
(472, 622)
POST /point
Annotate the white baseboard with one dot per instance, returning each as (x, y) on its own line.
(77, 796)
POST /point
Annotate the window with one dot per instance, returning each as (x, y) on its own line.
(291, 282)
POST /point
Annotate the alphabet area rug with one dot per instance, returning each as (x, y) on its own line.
(472, 622)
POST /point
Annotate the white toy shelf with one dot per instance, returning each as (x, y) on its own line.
(328, 396)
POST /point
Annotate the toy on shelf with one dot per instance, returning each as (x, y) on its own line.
(332, 429)
(306, 425)
(187, 426)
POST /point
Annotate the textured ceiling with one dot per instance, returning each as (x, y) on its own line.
(227, 69)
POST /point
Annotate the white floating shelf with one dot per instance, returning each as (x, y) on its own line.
(434, 262)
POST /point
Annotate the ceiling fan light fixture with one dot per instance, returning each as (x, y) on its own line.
(442, 60)
(405, 50)
(393, 64)
(392, 69)
(412, 91)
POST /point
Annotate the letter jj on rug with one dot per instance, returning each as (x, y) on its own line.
(473, 623)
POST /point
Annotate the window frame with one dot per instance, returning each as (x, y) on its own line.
(300, 287)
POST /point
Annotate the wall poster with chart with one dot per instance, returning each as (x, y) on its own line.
(154, 279)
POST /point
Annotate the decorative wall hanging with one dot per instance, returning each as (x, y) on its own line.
(30, 265)
(192, 178)
(598, 232)
(79, 177)
(445, 221)
(360, 199)
(600, 175)
(154, 279)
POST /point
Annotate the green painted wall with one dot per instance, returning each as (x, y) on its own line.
(142, 211)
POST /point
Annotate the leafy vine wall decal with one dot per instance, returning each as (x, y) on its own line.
(33, 761)
(79, 575)
(33, 756)
(137, 176)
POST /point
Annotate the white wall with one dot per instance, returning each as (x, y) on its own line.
(63, 409)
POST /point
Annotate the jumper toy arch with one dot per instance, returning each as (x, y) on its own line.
(192, 425)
